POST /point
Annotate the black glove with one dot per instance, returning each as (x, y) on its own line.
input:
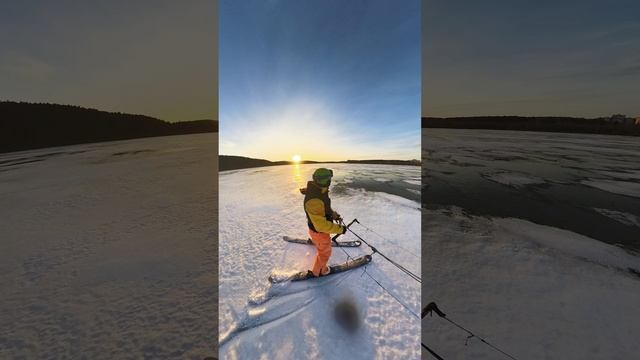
(338, 217)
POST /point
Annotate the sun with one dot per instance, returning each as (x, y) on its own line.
(296, 158)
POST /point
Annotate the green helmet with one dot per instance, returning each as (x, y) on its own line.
(322, 177)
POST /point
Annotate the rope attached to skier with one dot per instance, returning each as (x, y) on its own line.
(435, 355)
(376, 251)
(433, 308)
(406, 307)
(390, 293)
(429, 309)
(402, 268)
(385, 239)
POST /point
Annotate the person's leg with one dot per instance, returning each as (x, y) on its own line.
(322, 241)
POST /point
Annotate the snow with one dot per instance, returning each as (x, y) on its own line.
(620, 216)
(626, 175)
(108, 250)
(295, 320)
(537, 292)
(527, 286)
(413, 181)
(615, 186)
(513, 179)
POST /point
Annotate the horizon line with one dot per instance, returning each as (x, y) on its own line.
(96, 109)
(319, 161)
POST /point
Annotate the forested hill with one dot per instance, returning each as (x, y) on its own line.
(617, 124)
(230, 162)
(26, 126)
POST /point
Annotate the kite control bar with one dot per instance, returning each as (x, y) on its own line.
(337, 235)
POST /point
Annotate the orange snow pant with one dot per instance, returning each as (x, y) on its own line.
(322, 241)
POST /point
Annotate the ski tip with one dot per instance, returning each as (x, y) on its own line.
(358, 242)
(368, 257)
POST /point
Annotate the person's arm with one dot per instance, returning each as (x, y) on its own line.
(315, 209)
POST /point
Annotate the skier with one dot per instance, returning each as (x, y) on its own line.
(320, 217)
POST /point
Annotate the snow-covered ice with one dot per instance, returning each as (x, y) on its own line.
(615, 186)
(620, 216)
(513, 179)
(295, 320)
(108, 250)
(413, 181)
(626, 174)
(536, 292)
(546, 267)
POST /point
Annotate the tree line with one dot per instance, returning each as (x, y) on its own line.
(25, 126)
(610, 125)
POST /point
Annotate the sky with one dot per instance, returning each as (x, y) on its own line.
(151, 57)
(328, 80)
(516, 57)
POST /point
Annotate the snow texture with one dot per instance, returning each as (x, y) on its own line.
(295, 320)
(108, 250)
(513, 179)
(603, 161)
(536, 292)
(619, 216)
(615, 186)
(413, 181)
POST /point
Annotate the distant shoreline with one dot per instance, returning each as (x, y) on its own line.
(230, 162)
(615, 125)
(30, 126)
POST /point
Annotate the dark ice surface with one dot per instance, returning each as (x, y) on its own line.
(588, 184)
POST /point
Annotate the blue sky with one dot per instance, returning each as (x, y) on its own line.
(152, 57)
(516, 57)
(329, 80)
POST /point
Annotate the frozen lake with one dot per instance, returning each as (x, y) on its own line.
(295, 320)
(530, 240)
(589, 184)
(109, 250)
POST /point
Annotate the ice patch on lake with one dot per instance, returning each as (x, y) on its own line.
(570, 244)
(413, 182)
(387, 200)
(513, 179)
(624, 175)
(619, 216)
(615, 186)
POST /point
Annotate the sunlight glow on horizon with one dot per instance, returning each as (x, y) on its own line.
(310, 126)
(318, 84)
(296, 158)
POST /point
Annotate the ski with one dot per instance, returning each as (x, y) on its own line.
(355, 243)
(335, 269)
